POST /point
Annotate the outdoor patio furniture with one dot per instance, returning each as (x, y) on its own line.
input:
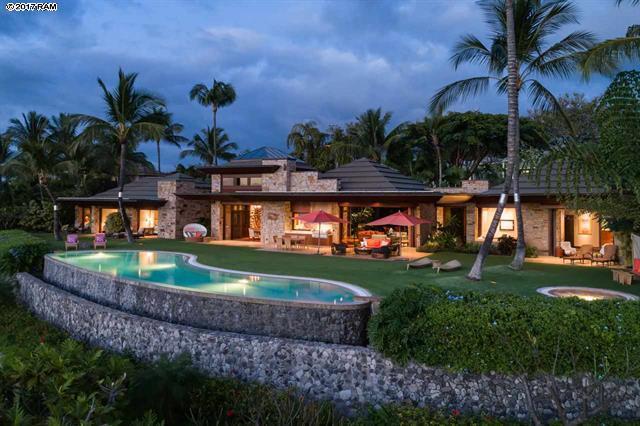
(382, 252)
(99, 240)
(585, 252)
(608, 256)
(338, 249)
(254, 234)
(452, 265)
(71, 242)
(141, 232)
(568, 249)
(622, 275)
(420, 263)
(362, 250)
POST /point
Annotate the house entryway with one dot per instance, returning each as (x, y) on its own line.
(241, 221)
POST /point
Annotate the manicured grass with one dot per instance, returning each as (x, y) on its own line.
(383, 277)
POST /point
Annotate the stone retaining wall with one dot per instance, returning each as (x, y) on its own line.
(345, 323)
(348, 375)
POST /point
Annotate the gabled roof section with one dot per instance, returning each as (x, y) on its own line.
(252, 162)
(142, 189)
(366, 175)
(554, 184)
(265, 153)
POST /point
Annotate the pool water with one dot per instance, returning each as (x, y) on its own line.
(174, 269)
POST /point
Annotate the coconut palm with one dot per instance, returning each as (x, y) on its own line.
(6, 154)
(219, 95)
(310, 144)
(536, 56)
(38, 156)
(170, 135)
(605, 57)
(369, 131)
(131, 117)
(209, 146)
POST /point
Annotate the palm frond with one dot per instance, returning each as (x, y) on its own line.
(458, 91)
(604, 57)
(542, 98)
(470, 49)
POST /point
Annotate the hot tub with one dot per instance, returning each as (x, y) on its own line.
(585, 293)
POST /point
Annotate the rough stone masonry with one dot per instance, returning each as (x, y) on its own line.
(350, 376)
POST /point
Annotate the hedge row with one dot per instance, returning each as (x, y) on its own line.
(21, 251)
(482, 332)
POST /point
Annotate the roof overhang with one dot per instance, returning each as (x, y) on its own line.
(240, 170)
(97, 201)
(492, 199)
(454, 199)
(340, 196)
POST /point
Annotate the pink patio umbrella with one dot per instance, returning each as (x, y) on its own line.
(399, 219)
(320, 217)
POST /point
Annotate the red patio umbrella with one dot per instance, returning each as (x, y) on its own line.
(399, 219)
(320, 217)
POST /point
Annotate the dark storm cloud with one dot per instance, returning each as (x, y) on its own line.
(293, 61)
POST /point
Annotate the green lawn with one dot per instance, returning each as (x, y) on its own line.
(383, 277)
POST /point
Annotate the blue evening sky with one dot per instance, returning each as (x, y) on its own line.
(289, 61)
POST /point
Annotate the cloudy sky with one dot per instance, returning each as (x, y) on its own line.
(289, 61)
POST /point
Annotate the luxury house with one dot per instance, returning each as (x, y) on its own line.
(260, 194)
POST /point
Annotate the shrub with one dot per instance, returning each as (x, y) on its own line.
(471, 248)
(21, 251)
(114, 223)
(10, 217)
(531, 251)
(484, 332)
(37, 217)
(506, 245)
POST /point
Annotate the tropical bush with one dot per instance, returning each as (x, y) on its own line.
(484, 332)
(506, 245)
(37, 217)
(10, 217)
(21, 251)
(114, 223)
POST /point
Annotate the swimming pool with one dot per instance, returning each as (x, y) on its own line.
(183, 271)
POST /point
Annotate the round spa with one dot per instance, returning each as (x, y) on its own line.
(174, 287)
(585, 293)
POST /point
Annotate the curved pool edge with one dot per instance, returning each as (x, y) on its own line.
(192, 260)
(546, 291)
(344, 323)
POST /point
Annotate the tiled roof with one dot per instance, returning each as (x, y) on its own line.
(144, 188)
(555, 183)
(266, 153)
(366, 175)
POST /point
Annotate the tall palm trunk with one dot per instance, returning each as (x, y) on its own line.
(158, 148)
(436, 144)
(123, 213)
(215, 136)
(512, 127)
(521, 246)
(57, 233)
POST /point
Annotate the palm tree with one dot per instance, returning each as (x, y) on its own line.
(605, 57)
(534, 22)
(513, 136)
(209, 146)
(219, 95)
(38, 156)
(6, 153)
(309, 144)
(170, 135)
(370, 132)
(131, 117)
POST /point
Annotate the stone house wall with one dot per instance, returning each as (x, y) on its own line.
(276, 220)
(309, 182)
(216, 183)
(349, 376)
(536, 220)
(178, 212)
(216, 220)
(278, 181)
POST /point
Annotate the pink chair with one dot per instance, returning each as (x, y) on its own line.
(71, 242)
(100, 240)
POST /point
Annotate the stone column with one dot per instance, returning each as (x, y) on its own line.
(276, 220)
(425, 211)
(471, 214)
(217, 232)
(95, 219)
